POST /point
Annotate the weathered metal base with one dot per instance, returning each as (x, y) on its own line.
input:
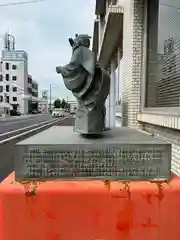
(121, 153)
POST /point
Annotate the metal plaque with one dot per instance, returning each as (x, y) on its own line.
(128, 162)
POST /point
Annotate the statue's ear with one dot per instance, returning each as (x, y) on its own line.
(71, 41)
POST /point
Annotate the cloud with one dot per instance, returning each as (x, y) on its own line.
(42, 30)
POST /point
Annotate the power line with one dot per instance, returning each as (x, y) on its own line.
(19, 3)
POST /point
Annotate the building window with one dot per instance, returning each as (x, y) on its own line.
(1, 88)
(14, 78)
(14, 89)
(1, 98)
(14, 67)
(163, 54)
(1, 77)
(30, 90)
(7, 88)
(7, 66)
(14, 99)
(7, 77)
(7, 99)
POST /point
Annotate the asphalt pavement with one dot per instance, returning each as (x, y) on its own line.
(18, 123)
(7, 152)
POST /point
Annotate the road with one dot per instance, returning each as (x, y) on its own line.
(7, 152)
(20, 122)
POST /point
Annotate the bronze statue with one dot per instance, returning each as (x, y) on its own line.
(89, 83)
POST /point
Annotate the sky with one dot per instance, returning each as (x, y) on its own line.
(42, 29)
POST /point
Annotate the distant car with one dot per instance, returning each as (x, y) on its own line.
(34, 111)
(14, 112)
(57, 113)
(72, 111)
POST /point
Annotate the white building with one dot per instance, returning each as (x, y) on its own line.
(73, 104)
(43, 104)
(14, 78)
(17, 88)
(138, 42)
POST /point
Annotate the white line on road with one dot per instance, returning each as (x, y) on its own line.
(20, 129)
(22, 117)
(32, 130)
(14, 121)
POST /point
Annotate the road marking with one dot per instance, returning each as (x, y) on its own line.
(32, 130)
(16, 120)
(20, 129)
(23, 117)
(7, 123)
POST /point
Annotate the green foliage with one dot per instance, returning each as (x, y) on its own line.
(57, 103)
(61, 104)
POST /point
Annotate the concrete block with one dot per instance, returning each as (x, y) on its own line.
(121, 153)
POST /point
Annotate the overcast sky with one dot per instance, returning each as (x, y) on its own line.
(42, 30)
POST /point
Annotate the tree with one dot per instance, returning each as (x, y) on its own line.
(57, 103)
(63, 104)
(68, 106)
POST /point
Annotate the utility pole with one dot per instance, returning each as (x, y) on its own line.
(50, 97)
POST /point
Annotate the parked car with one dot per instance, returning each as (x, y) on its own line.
(72, 111)
(14, 112)
(57, 112)
(34, 111)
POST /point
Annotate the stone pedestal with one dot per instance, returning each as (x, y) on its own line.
(121, 153)
(89, 122)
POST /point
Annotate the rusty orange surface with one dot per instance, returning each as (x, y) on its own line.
(89, 210)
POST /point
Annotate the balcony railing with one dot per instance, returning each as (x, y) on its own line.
(113, 9)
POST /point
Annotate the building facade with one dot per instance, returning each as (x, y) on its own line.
(17, 88)
(138, 42)
(14, 78)
(43, 105)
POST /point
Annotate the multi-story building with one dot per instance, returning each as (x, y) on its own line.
(33, 96)
(43, 105)
(138, 42)
(17, 88)
(73, 104)
(14, 66)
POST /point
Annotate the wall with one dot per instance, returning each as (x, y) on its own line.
(132, 57)
(20, 83)
(166, 127)
(161, 122)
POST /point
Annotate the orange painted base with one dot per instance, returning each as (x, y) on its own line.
(90, 210)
